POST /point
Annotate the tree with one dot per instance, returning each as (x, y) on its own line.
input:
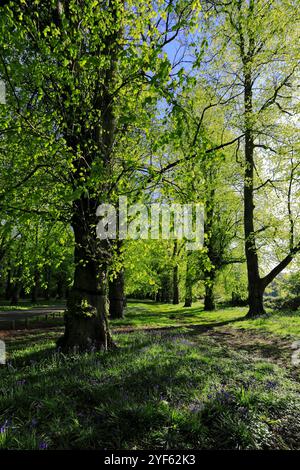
(175, 275)
(261, 57)
(198, 123)
(39, 254)
(88, 73)
(116, 284)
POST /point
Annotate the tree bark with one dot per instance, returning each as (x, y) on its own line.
(210, 272)
(175, 276)
(60, 284)
(209, 299)
(48, 288)
(35, 288)
(188, 297)
(117, 296)
(16, 287)
(255, 284)
(175, 286)
(15, 296)
(165, 292)
(188, 286)
(86, 324)
(8, 286)
(255, 299)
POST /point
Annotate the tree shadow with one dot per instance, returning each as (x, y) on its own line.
(125, 398)
(191, 329)
(119, 409)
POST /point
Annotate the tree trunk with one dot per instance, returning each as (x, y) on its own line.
(210, 273)
(188, 287)
(8, 286)
(15, 295)
(164, 294)
(34, 290)
(188, 298)
(48, 288)
(175, 286)
(209, 299)
(116, 296)
(34, 294)
(256, 304)
(59, 287)
(255, 284)
(175, 275)
(86, 325)
(16, 287)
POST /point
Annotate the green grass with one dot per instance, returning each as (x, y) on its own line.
(154, 315)
(150, 314)
(143, 315)
(175, 388)
(279, 323)
(27, 305)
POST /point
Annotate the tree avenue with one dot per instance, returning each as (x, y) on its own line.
(93, 67)
(171, 101)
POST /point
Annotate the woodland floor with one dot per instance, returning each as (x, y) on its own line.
(180, 379)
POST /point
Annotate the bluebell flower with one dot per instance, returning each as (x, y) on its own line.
(34, 422)
(43, 445)
(271, 384)
(4, 427)
(21, 382)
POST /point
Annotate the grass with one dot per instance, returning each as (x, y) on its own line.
(24, 305)
(145, 315)
(175, 386)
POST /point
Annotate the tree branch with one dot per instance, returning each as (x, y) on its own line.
(280, 266)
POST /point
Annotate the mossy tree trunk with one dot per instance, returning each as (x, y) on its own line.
(86, 324)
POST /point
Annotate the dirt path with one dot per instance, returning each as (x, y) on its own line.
(258, 343)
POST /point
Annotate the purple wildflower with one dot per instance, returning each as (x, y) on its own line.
(270, 385)
(4, 427)
(34, 422)
(43, 445)
(20, 383)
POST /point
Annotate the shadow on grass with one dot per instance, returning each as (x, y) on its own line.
(277, 350)
(189, 329)
(33, 324)
(32, 339)
(142, 396)
(157, 391)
